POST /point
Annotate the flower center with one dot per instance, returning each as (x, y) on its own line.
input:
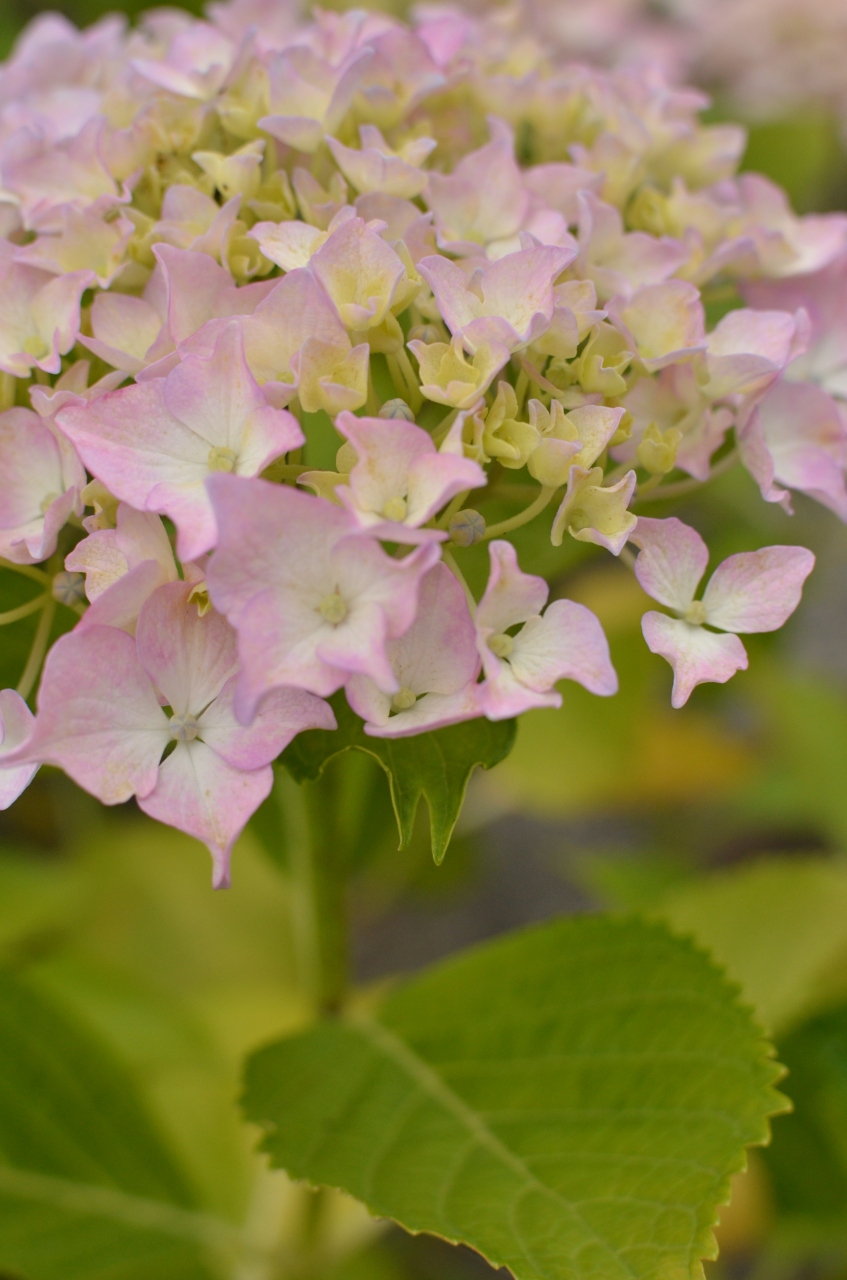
(334, 608)
(695, 613)
(403, 699)
(184, 728)
(221, 459)
(501, 645)
(395, 509)
(36, 346)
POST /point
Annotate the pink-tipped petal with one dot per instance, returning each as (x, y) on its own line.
(696, 655)
(671, 562)
(199, 793)
(432, 711)
(98, 715)
(757, 590)
(511, 596)
(189, 658)
(16, 724)
(568, 643)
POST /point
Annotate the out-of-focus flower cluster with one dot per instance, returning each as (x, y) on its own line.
(766, 57)
(477, 274)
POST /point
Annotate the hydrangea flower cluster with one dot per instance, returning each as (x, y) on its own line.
(481, 273)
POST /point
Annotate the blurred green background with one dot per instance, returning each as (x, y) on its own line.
(728, 818)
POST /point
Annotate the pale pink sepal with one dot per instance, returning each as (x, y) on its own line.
(757, 590)
(99, 718)
(16, 723)
(123, 567)
(154, 444)
(567, 642)
(673, 559)
(39, 486)
(435, 659)
(284, 555)
(398, 462)
(697, 656)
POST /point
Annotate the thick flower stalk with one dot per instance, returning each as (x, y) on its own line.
(293, 310)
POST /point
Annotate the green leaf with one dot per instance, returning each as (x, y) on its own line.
(87, 1189)
(570, 1101)
(808, 1162)
(779, 927)
(435, 765)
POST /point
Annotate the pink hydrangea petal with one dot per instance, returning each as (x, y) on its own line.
(120, 604)
(368, 700)
(568, 642)
(665, 322)
(98, 715)
(199, 793)
(130, 441)
(502, 695)
(437, 654)
(671, 562)
(696, 655)
(124, 329)
(511, 596)
(281, 715)
(757, 590)
(16, 723)
(432, 711)
(398, 459)
(358, 645)
(189, 658)
(805, 432)
(281, 554)
(220, 400)
(747, 350)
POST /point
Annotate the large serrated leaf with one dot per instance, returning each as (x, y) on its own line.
(570, 1101)
(436, 766)
(88, 1190)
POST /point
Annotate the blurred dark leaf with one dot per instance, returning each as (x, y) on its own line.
(808, 1159)
(87, 1188)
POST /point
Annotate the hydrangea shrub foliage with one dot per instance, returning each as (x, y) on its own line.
(301, 317)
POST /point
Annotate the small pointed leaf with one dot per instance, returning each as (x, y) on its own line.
(436, 765)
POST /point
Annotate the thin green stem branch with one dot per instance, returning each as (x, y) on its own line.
(23, 610)
(449, 560)
(456, 505)
(39, 648)
(28, 571)
(523, 517)
(683, 487)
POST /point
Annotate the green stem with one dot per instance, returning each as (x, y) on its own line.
(318, 890)
(23, 610)
(372, 405)
(28, 571)
(684, 487)
(456, 505)
(400, 368)
(523, 517)
(39, 648)
(449, 560)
